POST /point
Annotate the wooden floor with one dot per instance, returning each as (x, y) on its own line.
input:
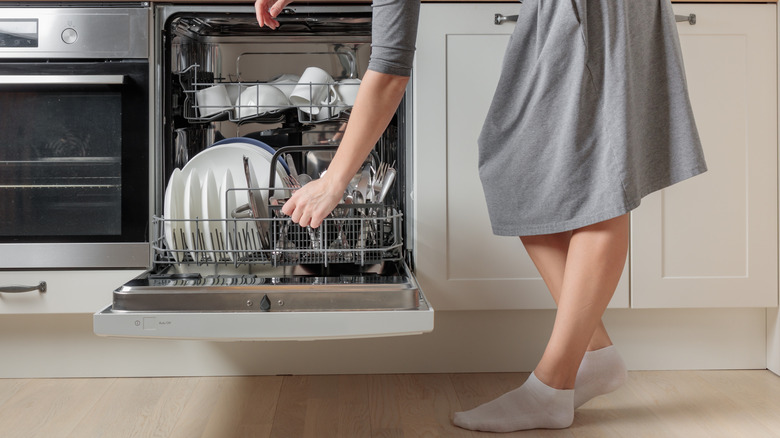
(652, 404)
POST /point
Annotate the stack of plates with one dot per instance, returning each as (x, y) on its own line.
(198, 200)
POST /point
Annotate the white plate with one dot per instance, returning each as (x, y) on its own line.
(232, 230)
(231, 157)
(212, 213)
(172, 210)
(227, 202)
(193, 210)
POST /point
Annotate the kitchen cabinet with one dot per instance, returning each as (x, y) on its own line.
(707, 242)
(712, 241)
(66, 291)
(459, 262)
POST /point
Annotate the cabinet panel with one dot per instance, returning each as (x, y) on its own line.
(460, 263)
(67, 291)
(712, 241)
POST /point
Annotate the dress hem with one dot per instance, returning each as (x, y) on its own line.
(579, 222)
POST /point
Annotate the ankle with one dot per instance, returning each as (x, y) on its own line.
(554, 378)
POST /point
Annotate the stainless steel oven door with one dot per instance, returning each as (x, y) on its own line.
(378, 300)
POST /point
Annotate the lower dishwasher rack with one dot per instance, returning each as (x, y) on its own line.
(248, 290)
(362, 234)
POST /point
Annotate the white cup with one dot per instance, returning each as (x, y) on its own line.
(285, 82)
(313, 88)
(260, 99)
(325, 110)
(347, 91)
(212, 100)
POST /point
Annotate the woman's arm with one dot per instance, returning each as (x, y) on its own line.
(377, 100)
(394, 31)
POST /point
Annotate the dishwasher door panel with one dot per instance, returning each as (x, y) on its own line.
(383, 301)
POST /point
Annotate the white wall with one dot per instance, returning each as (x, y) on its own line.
(486, 341)
(773, 340)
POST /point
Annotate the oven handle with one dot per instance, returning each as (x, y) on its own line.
(62, 79)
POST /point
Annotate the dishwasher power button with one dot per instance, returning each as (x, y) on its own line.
(69, 35)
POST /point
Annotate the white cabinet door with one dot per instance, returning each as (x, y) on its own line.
(66, 291)
(460, 264)
(712, 241)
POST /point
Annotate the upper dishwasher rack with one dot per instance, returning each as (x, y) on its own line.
(248, 101)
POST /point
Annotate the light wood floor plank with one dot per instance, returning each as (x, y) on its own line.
(123, 409)
(50, 408)
(169, 407)
(618, 414)
(414, 405)
(316, 406)
(691, 407)
(9, 387)
(198, 410)
(756, 393)
(245, 408)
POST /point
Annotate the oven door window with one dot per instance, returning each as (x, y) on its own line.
(74, 152)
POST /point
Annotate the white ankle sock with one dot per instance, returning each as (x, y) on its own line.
(601, 371)
(533, 405)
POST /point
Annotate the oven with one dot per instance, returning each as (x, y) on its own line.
(74, 137)
(229, 135)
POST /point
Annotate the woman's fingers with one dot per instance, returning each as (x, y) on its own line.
(312, 203)
(266, 11)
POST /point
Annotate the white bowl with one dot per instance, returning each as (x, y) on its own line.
(212, 100)
(286, 82)
(260, 99)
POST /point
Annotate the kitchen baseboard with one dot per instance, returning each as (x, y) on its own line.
(479, 341)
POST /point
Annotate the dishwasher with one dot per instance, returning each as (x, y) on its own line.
(245, 271)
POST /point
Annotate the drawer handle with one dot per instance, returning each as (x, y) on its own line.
(41, 287)
(691, 19)
(500, 18)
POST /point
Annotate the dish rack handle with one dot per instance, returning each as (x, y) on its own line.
(305, 148)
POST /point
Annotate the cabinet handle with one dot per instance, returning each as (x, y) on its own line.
(691, 19)
(500, 18)
(41, 287)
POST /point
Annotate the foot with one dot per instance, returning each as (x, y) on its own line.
(601, 371)
(534, 405)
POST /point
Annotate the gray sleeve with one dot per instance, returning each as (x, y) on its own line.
(394, 32)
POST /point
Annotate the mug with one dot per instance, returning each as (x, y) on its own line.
(347, 91)
(313, 88)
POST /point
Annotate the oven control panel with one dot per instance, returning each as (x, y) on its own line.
(18, 32)
(46, 33)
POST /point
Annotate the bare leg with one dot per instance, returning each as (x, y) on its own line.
(548, 252)
(594, 263)
(594, 259)
(602, 369)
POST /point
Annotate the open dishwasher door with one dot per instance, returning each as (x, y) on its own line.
(284, 293)
(383, 300)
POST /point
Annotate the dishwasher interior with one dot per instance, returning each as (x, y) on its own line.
(246, 257)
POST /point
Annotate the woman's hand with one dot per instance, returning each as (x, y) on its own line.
(267, 10)
(310, 204)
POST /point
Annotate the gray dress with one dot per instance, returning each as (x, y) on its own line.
(591, 113)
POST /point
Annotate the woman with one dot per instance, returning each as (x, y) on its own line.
(591, 113)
